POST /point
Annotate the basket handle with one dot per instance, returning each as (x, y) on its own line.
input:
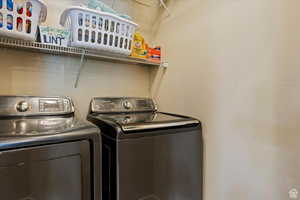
(43, 15)
(43, 12)
(64, 17)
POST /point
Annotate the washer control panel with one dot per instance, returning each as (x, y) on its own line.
(122, 104)
(31, 106)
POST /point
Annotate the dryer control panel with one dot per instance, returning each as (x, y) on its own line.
(122, 104)
(35, 106)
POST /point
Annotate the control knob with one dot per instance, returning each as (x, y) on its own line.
(127, 105)
(22, 106)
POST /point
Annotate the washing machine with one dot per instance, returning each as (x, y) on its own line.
(46, 151)
(147, 154)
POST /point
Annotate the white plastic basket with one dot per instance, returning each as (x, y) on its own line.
(20, 18)
(98, 30)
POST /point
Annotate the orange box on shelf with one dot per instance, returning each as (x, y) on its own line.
(154, 54)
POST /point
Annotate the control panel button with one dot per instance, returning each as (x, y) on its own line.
(22, 106)
(127, 105)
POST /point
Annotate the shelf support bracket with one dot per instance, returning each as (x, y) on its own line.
(156, 78)
(80, 69)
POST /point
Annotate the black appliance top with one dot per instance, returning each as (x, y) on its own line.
(27, 120)
(43, 125)
(130, 122)
(135, 114)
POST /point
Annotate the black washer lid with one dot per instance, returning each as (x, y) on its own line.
(42, 125)
(132, 122)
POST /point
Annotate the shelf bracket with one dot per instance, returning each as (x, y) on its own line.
(164, 64)
(80, 68)
(156, 79)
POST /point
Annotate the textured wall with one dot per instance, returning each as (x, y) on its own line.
(234, 64)
(35, 74)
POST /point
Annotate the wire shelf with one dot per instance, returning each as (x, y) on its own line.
(70, 51)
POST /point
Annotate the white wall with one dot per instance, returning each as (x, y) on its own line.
(234, 64)
(33, 74)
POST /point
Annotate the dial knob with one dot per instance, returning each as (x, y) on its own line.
(126, 119)
(22, 106)
(127, 105)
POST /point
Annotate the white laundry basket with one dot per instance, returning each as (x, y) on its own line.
(20, 18)
(98, 30)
